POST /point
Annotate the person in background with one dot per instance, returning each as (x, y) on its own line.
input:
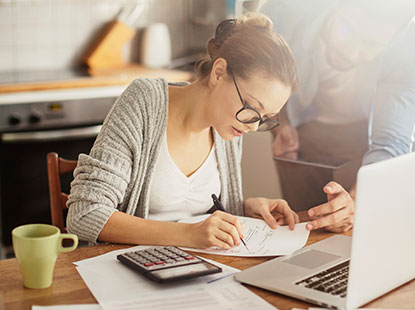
(337, 46)
(165, 148)
(393, 118)
(392, 123)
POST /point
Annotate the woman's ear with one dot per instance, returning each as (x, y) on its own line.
(218, 72)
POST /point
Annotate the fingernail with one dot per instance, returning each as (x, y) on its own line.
(311, 212)
(329, 188)
(309, 226)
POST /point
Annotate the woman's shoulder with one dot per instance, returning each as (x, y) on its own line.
(142, 96)
(146, 89)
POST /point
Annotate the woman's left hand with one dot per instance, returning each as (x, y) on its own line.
(274, 212)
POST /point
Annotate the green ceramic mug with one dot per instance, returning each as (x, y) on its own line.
(36, 247)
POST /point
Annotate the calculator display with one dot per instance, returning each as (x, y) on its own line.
(182, 270)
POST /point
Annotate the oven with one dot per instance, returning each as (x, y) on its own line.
(32, 125)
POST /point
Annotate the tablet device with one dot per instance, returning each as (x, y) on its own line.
(312, 159)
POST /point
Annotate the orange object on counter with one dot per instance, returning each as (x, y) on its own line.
(106, 52)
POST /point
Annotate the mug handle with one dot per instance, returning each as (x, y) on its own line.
(70, 248)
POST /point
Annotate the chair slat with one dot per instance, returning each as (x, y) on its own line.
(56, 167)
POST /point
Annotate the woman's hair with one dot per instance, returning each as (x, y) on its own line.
(248, 44)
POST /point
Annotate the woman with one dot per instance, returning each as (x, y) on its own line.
(165, 149)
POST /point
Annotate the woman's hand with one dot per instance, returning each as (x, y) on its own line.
(218, 230)
(337, 214)
(274, 212)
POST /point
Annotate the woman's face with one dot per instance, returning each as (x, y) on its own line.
(265, 94)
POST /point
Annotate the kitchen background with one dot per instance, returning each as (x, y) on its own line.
(44, 36)
(53, 34)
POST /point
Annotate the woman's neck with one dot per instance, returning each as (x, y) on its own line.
(188, 108)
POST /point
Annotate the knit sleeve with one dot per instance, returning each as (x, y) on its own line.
(102, 177)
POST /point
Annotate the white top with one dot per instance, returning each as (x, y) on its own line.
(174, 196)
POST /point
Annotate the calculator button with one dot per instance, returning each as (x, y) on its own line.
(159, 263)
(148, 264)
(189, 257)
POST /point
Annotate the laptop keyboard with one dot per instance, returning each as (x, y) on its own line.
(333, 280)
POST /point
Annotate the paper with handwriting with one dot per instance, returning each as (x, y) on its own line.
(260, 239)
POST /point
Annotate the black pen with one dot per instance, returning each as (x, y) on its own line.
(217, 205)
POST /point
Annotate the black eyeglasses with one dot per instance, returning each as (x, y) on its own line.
(249, 115)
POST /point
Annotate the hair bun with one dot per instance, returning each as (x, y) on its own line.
(255, 19)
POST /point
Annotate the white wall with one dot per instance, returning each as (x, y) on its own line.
(54, 34)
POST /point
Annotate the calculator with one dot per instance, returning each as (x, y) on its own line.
(167, 264)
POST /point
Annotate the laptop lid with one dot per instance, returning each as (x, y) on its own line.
(383, 247)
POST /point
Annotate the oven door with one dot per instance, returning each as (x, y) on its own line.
(24, 190)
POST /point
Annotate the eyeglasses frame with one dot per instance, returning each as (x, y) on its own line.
(246, 106)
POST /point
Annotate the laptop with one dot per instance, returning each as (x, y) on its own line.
(344, 272)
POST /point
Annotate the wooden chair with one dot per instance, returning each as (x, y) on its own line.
(56, 167)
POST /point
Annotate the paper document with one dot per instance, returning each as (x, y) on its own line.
(227, 294)
(115, 286)
(260, 239)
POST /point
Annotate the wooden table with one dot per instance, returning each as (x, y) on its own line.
(69, 288)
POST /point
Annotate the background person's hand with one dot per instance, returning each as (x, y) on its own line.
(274, 212)
(337, 214)
(221, 229)
(286, 142)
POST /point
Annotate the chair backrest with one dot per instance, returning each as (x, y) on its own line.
(56, 167)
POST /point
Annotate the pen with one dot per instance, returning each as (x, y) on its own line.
(217, 205)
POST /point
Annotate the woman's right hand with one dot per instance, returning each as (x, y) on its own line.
(218, 230)
(286, 142)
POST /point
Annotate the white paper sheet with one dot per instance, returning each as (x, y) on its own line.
(260, 239)
(116, 286)
(226, 294)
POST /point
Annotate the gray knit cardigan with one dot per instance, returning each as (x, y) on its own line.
(117, 174)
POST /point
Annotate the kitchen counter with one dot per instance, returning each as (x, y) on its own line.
(99, 78)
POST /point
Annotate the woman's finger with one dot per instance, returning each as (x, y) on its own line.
(233, 220)
(268, 218)
(285, 209)
(225, 238)
(230, 230)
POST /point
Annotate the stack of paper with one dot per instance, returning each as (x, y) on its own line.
(115, 286)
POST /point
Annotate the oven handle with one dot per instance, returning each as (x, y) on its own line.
(52, 135)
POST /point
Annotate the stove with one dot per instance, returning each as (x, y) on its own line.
(32, 124)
